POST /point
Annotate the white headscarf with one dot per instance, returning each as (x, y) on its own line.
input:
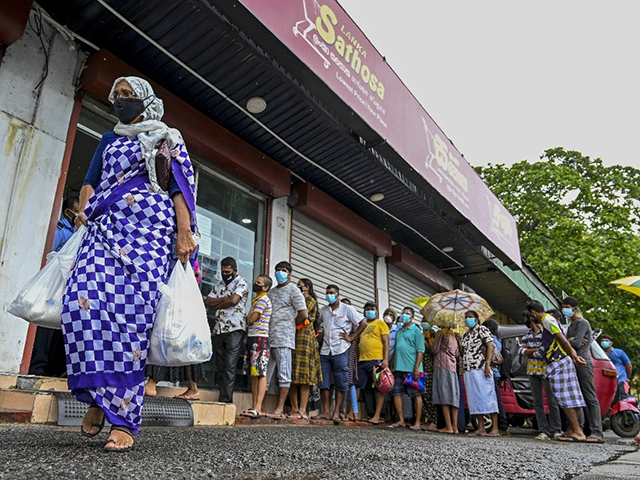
(150, 130)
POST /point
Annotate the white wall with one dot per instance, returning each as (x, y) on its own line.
(33, 130)
(280, 241)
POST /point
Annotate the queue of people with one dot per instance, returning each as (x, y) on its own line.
(307, 347)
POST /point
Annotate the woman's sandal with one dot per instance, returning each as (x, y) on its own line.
(99, 425)
(111, 440)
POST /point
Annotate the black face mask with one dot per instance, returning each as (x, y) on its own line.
(257, 288)
(301, 289)
(227, 278)
(128, 109)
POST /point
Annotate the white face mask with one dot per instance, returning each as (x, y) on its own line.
(388, 319)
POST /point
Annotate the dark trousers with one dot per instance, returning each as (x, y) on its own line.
(227, 348)
(502, 416)
(48, 357)
(592, 411)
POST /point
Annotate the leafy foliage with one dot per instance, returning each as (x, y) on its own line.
(578, 222)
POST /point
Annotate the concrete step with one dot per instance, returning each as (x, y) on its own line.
(14, 416)
(28, 406)
(36, 406)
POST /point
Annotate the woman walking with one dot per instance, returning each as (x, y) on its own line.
(306, 357)
(109, 305)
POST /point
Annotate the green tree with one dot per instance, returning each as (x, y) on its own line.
(578, 222)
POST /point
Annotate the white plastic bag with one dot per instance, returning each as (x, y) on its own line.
(40, 300)
(181, 334)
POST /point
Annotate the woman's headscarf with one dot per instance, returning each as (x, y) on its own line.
(150, 130)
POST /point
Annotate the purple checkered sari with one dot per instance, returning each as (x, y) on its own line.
(110, 301)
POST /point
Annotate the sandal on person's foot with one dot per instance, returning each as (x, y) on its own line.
(595, 439)
(570, 439)
(118, 428)
(397, 425)
(100, 425)
(184, 396)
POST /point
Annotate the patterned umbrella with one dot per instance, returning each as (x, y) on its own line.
(630, 284)
(447, 309)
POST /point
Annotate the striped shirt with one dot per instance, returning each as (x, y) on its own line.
(262, 305)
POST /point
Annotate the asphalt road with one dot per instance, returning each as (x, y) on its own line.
(43, 452)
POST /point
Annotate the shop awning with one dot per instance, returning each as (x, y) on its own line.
(217, 55)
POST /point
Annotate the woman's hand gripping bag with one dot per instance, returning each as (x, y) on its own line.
(181, 334)
(40, 300)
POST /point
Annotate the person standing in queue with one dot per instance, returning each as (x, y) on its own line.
(338, 321)
(228, 300)
(48, 356)
(306, 372)
(621, 361)
(374, 351)
(289, 309)
(407, 360)
(561, 360)
(580, 337)
(536, 368)
(478, 377)
(446, 388)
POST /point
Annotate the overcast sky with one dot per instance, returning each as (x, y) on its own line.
(507, 79)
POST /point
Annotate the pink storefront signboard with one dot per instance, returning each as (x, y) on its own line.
(323, 36)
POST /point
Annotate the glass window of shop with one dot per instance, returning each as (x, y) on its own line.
(231, 219)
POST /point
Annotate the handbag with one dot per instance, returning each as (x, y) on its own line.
(497, 356)
(163, 164)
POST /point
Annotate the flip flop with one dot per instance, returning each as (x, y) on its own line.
(187, 397)
(275, 415)
(375, 423)
(570, 439)
(319, 417)
(493, 434)
(337, 421)
(415, 427)
(119, 449)
(99, 425)
(594, 439)
(397, 425)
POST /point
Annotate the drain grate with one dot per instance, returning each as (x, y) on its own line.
(157, 411)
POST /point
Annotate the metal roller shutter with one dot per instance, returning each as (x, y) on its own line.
(404, 287)
(324, 257)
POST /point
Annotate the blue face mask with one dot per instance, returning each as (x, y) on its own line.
(331, 298)
(567, 312)
(404, 318)
(470, 322)
(605, 344)
(370, 314)
(281, 276)
(426, 326)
